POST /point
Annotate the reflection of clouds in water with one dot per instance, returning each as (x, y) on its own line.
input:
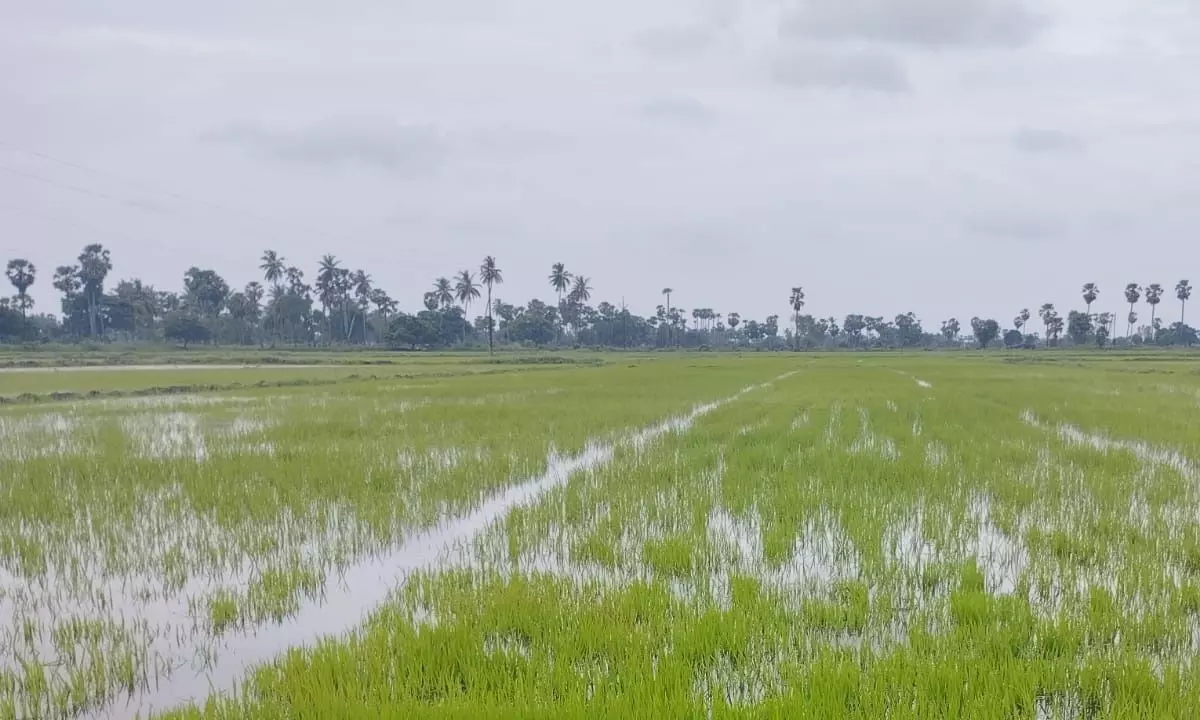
(151, 435)
(188, 435)
(363, 574)
(35, 436)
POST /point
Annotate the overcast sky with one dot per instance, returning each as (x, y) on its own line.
(950, 157)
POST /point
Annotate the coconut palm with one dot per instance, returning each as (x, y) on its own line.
(272, 266)
(581, 291)
(466, 291)
(797, 302)
(1154, 294)
(560, 280)
(1133, 293)
(443, 292)
(441, 297)
(1091, 291)
(1183, 291)
(22, 274)
(328, 280)
(490, 275)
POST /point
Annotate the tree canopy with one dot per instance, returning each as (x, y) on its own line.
(345, 306)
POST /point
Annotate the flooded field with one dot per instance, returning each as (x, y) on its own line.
(36, 383)
(845, 536)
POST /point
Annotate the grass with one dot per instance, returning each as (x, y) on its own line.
(42, 383)
(864, 536)
(113, 354)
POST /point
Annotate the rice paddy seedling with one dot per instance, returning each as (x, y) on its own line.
(783, 536)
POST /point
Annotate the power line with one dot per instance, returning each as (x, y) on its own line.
(159, 188)
(79, 189)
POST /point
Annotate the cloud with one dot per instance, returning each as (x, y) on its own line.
(153, 40)
(679, 110)
(932, 23)
(390, 148)
(862, 69)
(676, 41)
(1039, 142)
(1016, 225)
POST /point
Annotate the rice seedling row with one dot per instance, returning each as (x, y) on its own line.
(882, 538)
(889, 536)
(142, 537)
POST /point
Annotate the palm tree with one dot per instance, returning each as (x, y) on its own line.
(1154, 293)
(1133, 293)
(360, 281)
(272, 266)
(797, 302)
(1090, 292)
(94, 264)
(667, 292)
(22, 274)
(253, 294)
(295, 278)
(1021, 320)
(560, 280)
(1183, 291)
(490, 275)
(581, 292)
(466, 291)
(443, 293)
(440, 298)
(327, 290)
(385, 305)
(1046, 313)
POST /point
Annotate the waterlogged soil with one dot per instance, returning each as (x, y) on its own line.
(832, 519)
(177, 644)
(362, 586)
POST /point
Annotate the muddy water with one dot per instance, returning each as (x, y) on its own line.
(357, 590)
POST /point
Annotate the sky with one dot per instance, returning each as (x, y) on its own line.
(945, 157)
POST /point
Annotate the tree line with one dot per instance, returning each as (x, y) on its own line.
(344, 307)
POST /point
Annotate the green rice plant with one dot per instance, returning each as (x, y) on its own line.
(863, 536)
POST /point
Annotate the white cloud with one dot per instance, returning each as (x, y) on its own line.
(813, 142)
(392, 148)
(1041, 141)
(934, 23)
(679, 110)
(862, 69)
